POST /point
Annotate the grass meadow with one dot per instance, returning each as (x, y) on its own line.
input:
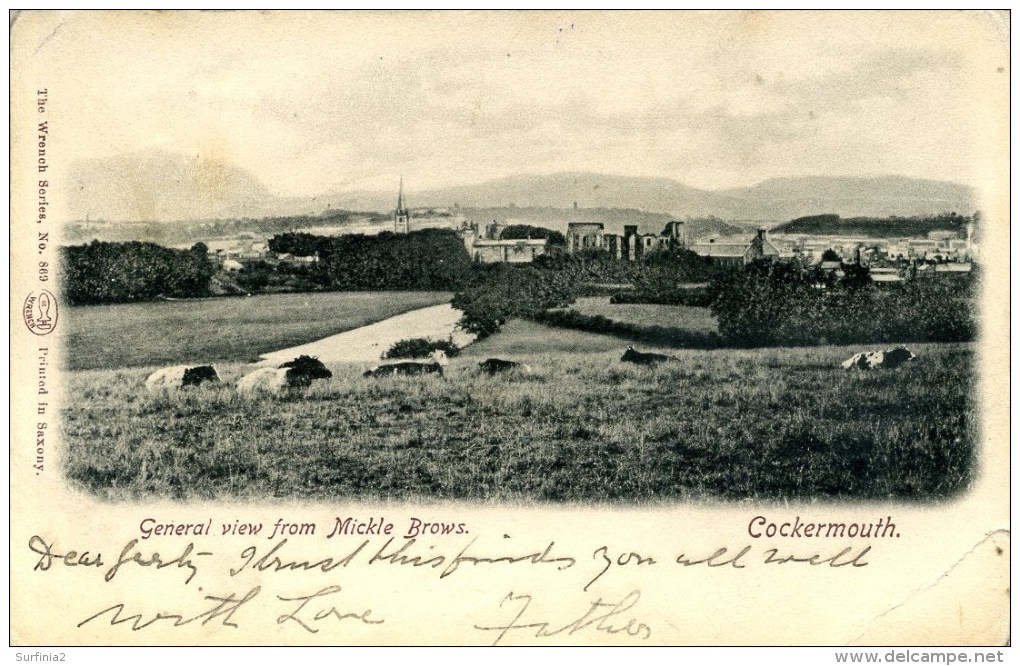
(769, 424)
(691, 319)
(222, 329)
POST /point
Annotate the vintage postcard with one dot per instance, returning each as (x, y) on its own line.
(510, 328)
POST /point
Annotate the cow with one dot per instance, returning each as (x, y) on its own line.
(307, 367)
(269, 380)
(295, 374)
(645, 358)
(495, 366)
(890, 358)
(180, 376)
(437, 360)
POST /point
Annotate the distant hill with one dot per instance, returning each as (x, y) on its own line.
(160, 186)
(888, 227)
(157, 186)
(187, 232)
(785, 198)
(771, 200)
(588, 190)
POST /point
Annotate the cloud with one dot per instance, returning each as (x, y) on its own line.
(311, 103)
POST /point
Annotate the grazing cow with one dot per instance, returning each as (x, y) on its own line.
(645, 358)
(269, 380)
(437, 360)
(179, 376)
(295, 374)
(494, 366)
(307, 367)
(890, 358)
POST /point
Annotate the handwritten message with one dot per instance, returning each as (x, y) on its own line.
(294, 575)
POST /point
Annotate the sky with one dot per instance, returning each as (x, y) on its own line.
(330, 102)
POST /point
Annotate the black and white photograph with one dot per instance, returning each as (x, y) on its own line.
(557, 314)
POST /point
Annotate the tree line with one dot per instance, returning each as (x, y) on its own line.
(782, 303)
(133, 271)
(426, 260)
(765, 303)
(878, 227)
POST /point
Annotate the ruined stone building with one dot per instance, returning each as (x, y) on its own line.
(630, 246)
(488, 248)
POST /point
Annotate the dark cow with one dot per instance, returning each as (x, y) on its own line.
(434, 365)
(198, 374)
(404, 368)
(645, 358)
(494, 366)
(302, 370)
(890, 358)
(179, 376)
(307, 366)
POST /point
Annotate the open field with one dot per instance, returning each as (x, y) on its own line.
(669, 326)
(769, 424)
(367, 343)
(221, 329)
(526, 339)
(695, 320)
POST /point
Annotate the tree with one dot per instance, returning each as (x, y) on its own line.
(123, 272)
(764, 303)
(507, 292)
(771, 303)
(523, 231)
(855, 277)
(662, 276)
(299, 244)
(420, 348)
(429, 259)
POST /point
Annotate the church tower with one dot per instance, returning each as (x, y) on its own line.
(402, 217)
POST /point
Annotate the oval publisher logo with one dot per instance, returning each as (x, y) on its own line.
(40, 312)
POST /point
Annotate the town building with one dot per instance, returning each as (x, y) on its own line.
(887, 276)
(737, 252)
(222, 250)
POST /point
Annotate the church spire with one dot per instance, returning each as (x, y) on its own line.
(401, 218)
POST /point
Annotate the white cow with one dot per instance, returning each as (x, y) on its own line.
(269, 380)
(890, 358)
(298, 373)
(179, 376)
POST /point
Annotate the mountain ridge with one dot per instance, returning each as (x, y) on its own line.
(161, 186)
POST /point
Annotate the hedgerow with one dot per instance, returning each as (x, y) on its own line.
(420, 348)
(772, 303)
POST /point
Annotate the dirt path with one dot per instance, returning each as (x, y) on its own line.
(366, 344)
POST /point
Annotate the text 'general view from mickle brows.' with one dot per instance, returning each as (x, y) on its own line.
(619, 324)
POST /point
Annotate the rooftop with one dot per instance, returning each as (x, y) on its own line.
(721, 249)
(538, 242)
